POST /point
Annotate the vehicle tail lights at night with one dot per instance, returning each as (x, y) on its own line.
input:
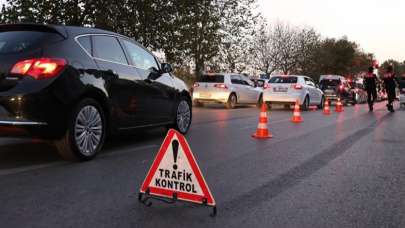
(297, 86)
(341, 87)
(221, 86)
(40, 68)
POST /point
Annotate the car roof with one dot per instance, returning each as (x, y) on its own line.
(292, 75)
(331, 77)
(63, 30)
(224, 74)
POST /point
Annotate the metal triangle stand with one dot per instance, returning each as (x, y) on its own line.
(145, 199)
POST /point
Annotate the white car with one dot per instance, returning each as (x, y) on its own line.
(287, 89)
(228, 89)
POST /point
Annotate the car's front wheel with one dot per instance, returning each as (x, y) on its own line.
(183, 116)
(86, 132)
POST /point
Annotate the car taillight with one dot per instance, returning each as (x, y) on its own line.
(341, 87)
(196, 85)
(297, 86)
(40, 68)
(266, 86)
(221, 86)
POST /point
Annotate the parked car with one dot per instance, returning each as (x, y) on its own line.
(401, 84)
(287, 89)
(358, 90)
(75, 86)
(259, 82)
(228, 89)
(336, 86)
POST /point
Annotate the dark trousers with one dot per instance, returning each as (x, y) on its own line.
(391, 94)
(371, 96)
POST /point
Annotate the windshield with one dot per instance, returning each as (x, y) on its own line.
(214, 78)
(20, 41)
(284, 80)
(330, 82)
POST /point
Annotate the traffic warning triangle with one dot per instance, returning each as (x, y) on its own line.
(175, 173)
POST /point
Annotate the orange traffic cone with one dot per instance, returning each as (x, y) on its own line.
(297, 114)
(339, 106)
(326, 109)
(262, 132)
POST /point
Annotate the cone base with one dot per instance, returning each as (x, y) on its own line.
(256, 136)
(300, 120)
(327, 113)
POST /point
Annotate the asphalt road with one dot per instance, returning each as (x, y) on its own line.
(343, 170)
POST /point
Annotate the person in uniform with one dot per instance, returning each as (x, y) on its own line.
(370, 80)
(389, 82)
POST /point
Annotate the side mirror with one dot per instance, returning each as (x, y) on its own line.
(166, 68)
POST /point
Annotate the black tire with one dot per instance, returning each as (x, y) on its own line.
(68, 146)
(305, 104)
(320, 106)
(183, 116)
(355, 98)
(198, 104)
(260, 101)
(269, 106)
(232, 101)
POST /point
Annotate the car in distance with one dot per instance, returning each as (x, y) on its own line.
(358, 90)
(336, 86)
(75, 85)
(228, 89)
(287, 89)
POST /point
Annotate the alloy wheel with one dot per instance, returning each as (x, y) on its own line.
(183, 116)
(88, 130)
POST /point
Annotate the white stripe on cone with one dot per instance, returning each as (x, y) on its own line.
(262, 126)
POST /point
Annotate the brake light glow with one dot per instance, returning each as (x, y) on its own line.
(297, 86)
(341, 87)
(221, 86)
(40, 68)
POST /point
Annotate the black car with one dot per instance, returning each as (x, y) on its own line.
(335, 86)
(75, 85)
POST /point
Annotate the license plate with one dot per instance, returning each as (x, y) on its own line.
(280, 89)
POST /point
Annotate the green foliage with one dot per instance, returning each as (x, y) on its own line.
(187, 31)
(399, 67)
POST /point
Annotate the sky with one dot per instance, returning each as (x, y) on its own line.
(378, 26)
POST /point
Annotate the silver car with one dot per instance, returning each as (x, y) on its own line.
(287, 89)
(228, 89)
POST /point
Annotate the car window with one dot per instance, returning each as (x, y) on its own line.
(246, 81)
(20, 41)
(283, 79)
(309, 82)
(108, 48)
(85, 42)
(211, 78)
(235, 79)
(140, 57)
